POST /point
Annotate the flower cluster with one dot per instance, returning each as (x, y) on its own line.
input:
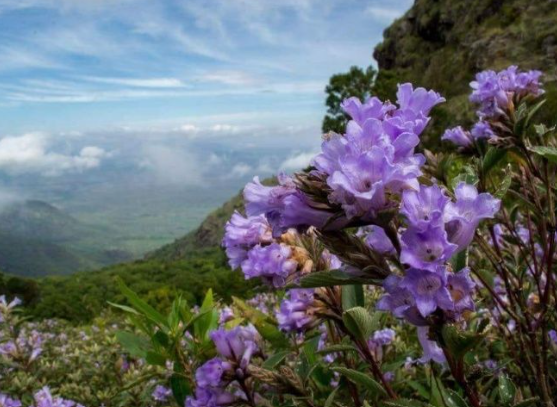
(494, 91)
(436, 229)
(219, 380)
(42, 398)
(295, 313)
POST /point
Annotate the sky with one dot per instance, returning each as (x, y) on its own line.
(179, 91)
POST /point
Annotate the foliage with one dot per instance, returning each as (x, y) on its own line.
(356, 82)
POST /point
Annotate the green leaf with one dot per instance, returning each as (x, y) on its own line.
(533, 111)
(460, 342)
(209, 320)
(141, 306)
(504, 184)
(507, 389)
(454, 399)
(492, 158)
(337, 348)
(330, 278)
(123, 308)
(271, 333)
(154, 358)
(358, 321)
(460, 261)
(550, 153)
(528, 402)
(135, 345)
(275, 360)
(361, 378)
(180, 388)
(352, 296)
(331, 398)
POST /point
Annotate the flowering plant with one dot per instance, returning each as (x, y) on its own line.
(376, 248)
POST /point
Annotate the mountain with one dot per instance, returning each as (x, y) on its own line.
(38, 239)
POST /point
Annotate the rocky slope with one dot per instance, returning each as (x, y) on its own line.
(441, 44)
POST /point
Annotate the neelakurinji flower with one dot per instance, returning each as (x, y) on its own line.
(431, 349)
(210, 397)
(295, 313)
(398, 299)
(241, 234)
(494, 91)
(458, 136)
(463, 216)
(426, 249)
(6, 401)
(461, 286)
(272, 263)
(236, 345)
(482, 130)
(376, 238)
(43, 398)
(283, 205)
(429, 290)
(211, 373)
(161, 393)
(424, 207)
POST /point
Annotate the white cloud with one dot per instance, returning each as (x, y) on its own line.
(174, 166)
(240, 170)
(234, 78)
(141, 82)
(32, 153)
(297, 162)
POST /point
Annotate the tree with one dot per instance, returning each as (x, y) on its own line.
(356, 82)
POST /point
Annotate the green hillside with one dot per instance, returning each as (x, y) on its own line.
(38, 239)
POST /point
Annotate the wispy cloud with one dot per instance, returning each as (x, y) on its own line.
(141, 82)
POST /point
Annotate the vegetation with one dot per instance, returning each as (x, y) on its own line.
(81, 297)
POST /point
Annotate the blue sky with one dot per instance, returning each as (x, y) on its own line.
(188, 82)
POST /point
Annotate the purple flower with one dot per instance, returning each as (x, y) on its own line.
(294, 314)
(426, 249)
(210, 397)
(373, 108)
(494, 91)
(384, 337)
(243, 233)
(553, 336)
(418, 100)
(482, 130)
(361, 182)
(463, 217)
(226, 314)
(43, 398)
(432, 351)
(428, 289)
(377, 239)
(461, 287)
(237, 345)
(398, 299)
(6, 401)
(210, 374)
(161, 393)
(458, 136)
(424, 207)
(273, 264)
